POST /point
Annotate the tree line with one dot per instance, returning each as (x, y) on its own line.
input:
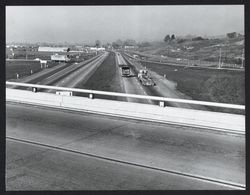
(169, 38)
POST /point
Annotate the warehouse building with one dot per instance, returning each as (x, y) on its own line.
(53, 49)
(97, 49)
(60, 58)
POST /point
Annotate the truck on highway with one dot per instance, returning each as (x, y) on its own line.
(124, 68)
(145, 79)
(135, 56)
(125, 71)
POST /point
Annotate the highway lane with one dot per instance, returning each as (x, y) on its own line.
(131, 84)
(52, 79)
(78, 75)
(163, 88)
(51, 75)
(35, 167)
(120, 59)
(60, 74)
(82, 74)
(105, 78)
(56, 74)
(183, 150)
(36, 77)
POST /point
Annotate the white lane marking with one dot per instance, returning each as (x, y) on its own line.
(74, 79)
(170, 171)
(87, 65)
(140, 85)
(70, 67)
(88, 72)
(58, 73)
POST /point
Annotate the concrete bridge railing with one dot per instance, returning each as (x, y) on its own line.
(187, 117)
(115, 94)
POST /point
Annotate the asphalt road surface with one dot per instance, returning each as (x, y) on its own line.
(131, 84)
(51, 75)
(163, 88)
(34, 167)
(80, 75)
(127, 154)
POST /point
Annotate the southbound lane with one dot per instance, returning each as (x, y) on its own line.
(131, 84)
(191, 151)
(163, 88)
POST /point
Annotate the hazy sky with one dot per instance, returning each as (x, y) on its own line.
(109, 23)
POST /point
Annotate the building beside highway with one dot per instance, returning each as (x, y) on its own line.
(53, 49)
(130, 47)
(60, 58)
(97, 49)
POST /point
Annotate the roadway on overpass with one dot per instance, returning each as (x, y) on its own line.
(52, 149)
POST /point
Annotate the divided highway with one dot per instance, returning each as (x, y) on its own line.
(80, 151)
(76, 75)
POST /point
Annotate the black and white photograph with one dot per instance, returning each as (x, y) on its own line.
(125, 97)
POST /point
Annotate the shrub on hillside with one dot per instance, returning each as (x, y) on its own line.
(226, 89)
(198, 39)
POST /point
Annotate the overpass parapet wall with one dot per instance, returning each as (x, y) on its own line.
(188, 117)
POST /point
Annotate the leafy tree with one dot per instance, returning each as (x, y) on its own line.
(114, 45)
(98, 43)
(172, 37)
(197, 39)
(130, 42)
(181, 40)
(167, 38)
(117, 44)
(144, 44)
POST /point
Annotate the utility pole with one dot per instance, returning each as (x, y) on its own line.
(220, 59)
(242, 59)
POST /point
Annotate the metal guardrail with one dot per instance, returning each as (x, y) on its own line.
(116, 94)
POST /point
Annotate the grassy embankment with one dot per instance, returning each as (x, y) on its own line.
(207, 49)
(205, 84)
(23, 68)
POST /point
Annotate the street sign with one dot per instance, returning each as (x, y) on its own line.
(66, 93)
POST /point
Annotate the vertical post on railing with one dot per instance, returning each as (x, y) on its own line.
(162, 104)
(91, 96)
(34, 89)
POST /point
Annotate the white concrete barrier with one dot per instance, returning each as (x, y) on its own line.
(180, 116)
(116, 94)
